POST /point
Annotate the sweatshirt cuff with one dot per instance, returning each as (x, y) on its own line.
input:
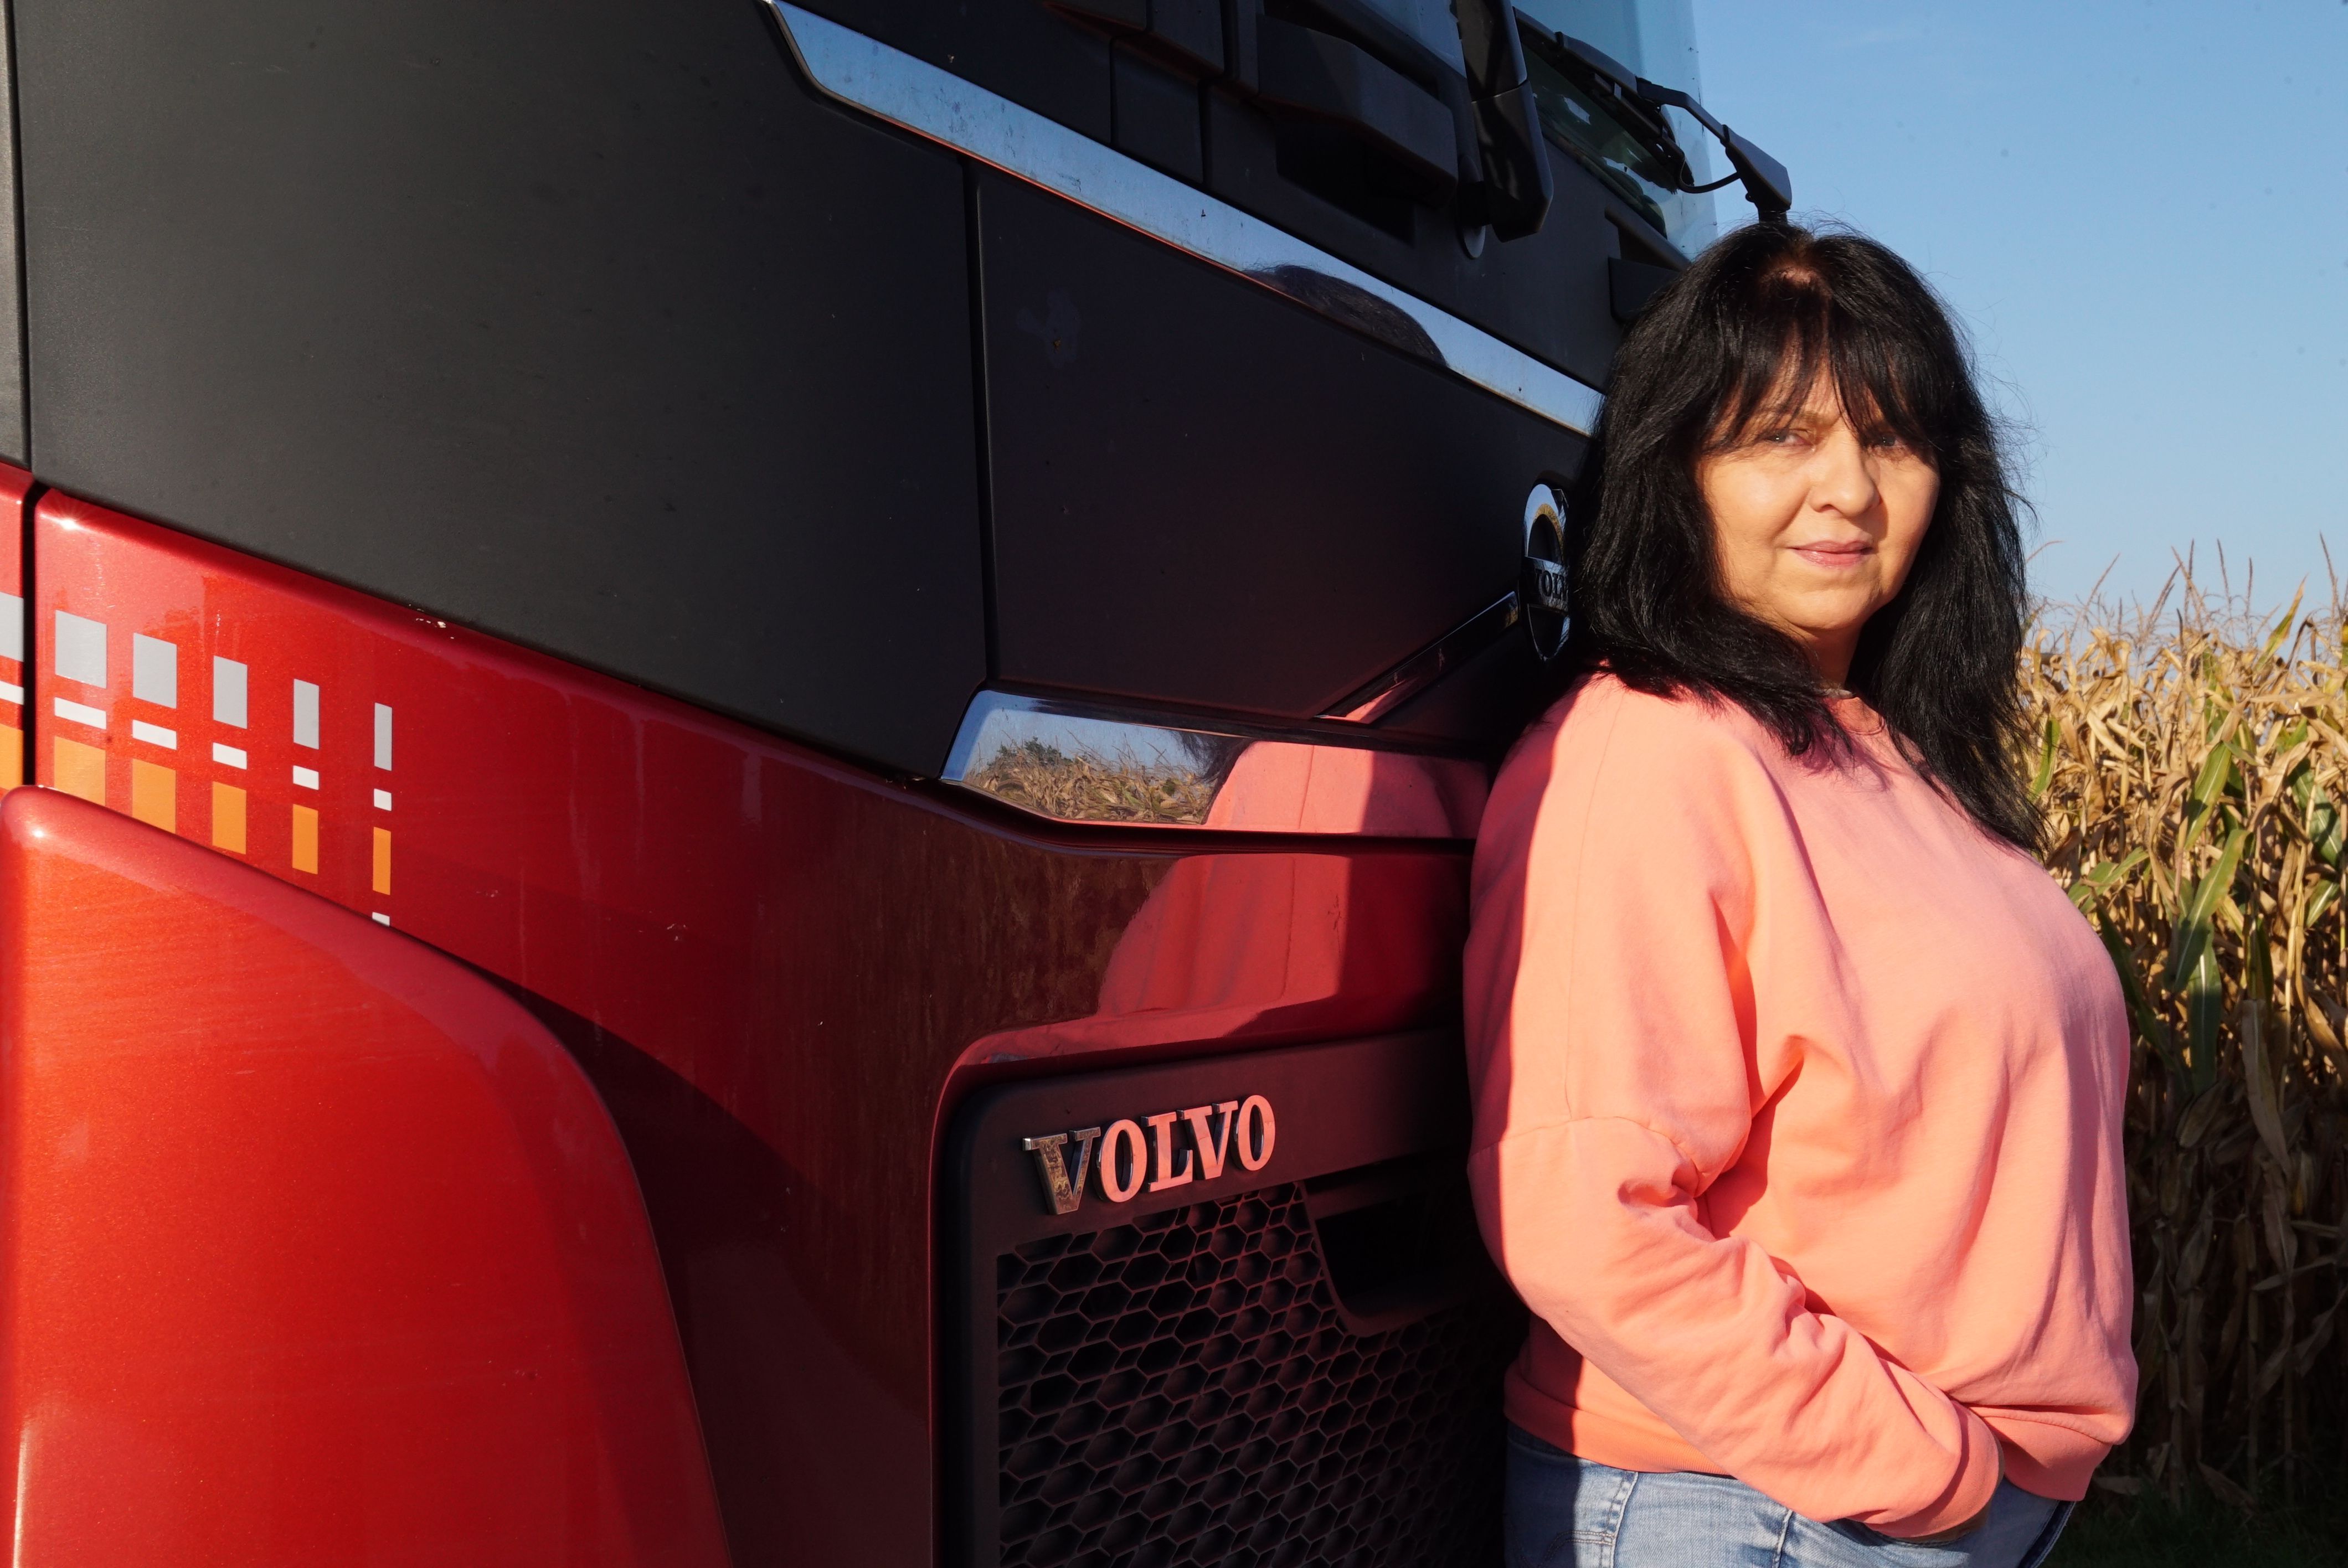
(1969, 1493)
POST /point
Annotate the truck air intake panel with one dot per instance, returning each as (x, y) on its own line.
(1261, 1331)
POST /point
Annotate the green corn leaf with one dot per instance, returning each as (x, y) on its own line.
(2205, 1010)
(2282, 626)
(2259, 976)
(2046, 760)
(2089, 889)
(2326, 828)
(2216, 773)
(2198, 911)
(2149, 1028)
(2319, 815)
(2320, 898)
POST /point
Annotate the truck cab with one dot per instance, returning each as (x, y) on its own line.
(752, 733)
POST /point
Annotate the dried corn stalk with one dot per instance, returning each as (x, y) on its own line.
(2194, 768)
(1081, 787)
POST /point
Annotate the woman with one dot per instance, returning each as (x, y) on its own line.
(1798, 1083)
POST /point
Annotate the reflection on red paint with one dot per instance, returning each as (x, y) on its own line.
(361, 1279)
(1274, 945)
(1279, 785)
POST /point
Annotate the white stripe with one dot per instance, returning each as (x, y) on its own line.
(80, 714)
(232, 755)
(153, 734)
(383, 800)
(81, 649)
(14, 693)
(306, 777)
(380, 919)
(228, 693)
(154, 670)
(305, 714)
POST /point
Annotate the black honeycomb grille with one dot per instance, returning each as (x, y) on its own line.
(1182, 1390)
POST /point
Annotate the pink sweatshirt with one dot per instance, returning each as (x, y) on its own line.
(1798, 1120)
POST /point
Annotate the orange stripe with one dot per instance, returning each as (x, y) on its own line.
(383, 860)
(227, 818)
(306, 839)
(78, 769)
(155, 795)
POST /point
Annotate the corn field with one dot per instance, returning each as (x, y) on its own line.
(1085, 788)
(2193, 763)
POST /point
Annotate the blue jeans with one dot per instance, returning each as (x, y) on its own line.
(1569, 1512)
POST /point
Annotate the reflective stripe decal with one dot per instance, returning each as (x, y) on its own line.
(155, 795)
(81, 649)
(228, 695)
(78, 769)
(154, 670)
(258, 756)
(306, 839)
(227, 818)
(305, 714)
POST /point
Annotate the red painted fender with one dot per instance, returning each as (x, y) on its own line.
(314, 1246)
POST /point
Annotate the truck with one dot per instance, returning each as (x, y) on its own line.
(749, 733)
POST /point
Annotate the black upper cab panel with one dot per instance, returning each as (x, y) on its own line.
(1205, 496)
(579, 320)
(595, 325)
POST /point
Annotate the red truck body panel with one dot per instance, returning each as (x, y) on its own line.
(317, 1248)
(782, 973)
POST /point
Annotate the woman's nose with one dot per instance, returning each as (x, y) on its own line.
(1843, 480)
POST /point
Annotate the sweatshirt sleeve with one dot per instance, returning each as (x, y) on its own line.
(1665, 894)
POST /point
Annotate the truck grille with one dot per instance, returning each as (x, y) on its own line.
(1184, 1389)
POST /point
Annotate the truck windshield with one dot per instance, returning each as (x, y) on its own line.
(1430, 22)
(1655, 39)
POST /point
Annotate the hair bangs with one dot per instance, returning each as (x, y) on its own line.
(1797, 334)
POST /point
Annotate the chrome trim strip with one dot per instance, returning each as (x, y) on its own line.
(1429, 665)
(1078, 762)
(866, 74)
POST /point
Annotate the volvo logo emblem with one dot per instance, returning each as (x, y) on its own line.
(1183, 1146)
(1540, 583)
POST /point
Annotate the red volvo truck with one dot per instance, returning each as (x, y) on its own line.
(757, 730)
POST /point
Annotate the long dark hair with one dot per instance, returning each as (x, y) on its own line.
(1748, 329)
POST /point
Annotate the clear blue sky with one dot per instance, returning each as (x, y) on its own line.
(2140, 209)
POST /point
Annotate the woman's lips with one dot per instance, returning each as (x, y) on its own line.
(1838, 556)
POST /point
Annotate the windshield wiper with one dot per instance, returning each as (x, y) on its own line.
(1766, 184)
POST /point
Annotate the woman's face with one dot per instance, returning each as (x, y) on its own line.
(1816, 526)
